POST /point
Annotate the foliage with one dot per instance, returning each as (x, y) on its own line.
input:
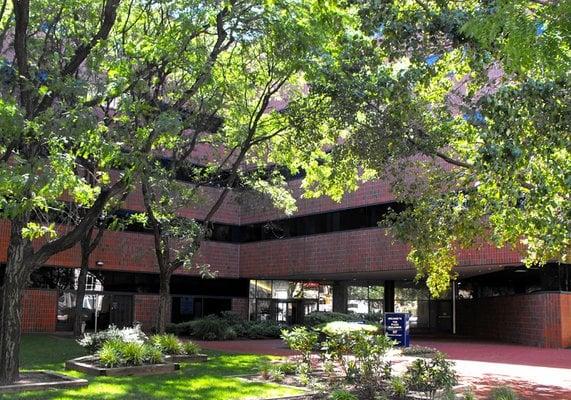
(342, 327)
(462, 107)
(94, 341)
(318, 318)
(418, 351)
(214, 380)
(429, 376)
(116, 353)
(502, 393)
(340, 394)
(190, 348)
(227, 326)
(302, 340)
(167, 344)
(398, 388)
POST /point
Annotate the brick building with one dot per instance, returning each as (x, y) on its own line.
(327, 256)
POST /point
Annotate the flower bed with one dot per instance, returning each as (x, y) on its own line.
(91, 365)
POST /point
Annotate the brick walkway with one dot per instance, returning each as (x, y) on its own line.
(535, 373)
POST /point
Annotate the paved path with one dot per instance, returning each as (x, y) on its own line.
(536, 373)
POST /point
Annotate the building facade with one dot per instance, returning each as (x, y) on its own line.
(326, 257)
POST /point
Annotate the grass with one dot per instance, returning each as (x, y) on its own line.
(204, 381)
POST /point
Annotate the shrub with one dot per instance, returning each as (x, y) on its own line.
(276, 374)
(152, 355)
(94, 341)
(502, 393)
(190, 348)
(429, 376)
(341, 327)
(301, 339)
(182, 329)
(318, 318)
(419, 351)
(288, 368)
(132, 353)
(398, 388)
(110, 354)
(469, 395)
(340, 394)
(167, 343)
(209, 328)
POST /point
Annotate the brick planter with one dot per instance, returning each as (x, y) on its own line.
(186, 358)
(87, 364)
(43, 380)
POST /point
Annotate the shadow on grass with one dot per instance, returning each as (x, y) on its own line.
(204, 381)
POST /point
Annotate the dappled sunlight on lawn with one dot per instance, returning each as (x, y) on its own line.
(204, 381)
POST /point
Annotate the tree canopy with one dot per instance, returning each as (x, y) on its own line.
(463, 108)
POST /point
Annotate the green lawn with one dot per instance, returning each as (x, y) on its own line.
(205, 381)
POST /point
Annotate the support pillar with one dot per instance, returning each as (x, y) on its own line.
(340, 296)
(389, 300)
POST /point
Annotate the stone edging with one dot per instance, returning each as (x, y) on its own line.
(81, 364)
(62, 382)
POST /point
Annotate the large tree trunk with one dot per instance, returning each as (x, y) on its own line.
(81, 283)
(164, 301)
(11, 293)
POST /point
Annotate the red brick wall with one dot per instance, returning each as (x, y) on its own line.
(240, 306)
(566, 319)
(358, 251)
(146, 310)
(39, 310)
(537, 319)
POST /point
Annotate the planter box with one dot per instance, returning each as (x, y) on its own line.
(186, 358)
(43, 380)
(86, 364)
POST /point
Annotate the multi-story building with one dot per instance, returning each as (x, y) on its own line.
(327, 256)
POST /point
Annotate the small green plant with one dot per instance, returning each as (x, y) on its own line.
(276, 374)
(167, 343)
(152, 355)
(397, 387)
(133, 353)
(110, 354)
(341, 394)
(429, 376)
(288, 368)
(503, 393)
(265, 371)
(301, 339)
(419, 351)
(469, 394)
(190, 348)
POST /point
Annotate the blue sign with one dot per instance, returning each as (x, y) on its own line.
(397, 327)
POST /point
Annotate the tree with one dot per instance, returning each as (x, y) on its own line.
(260, 63)
(463, 107)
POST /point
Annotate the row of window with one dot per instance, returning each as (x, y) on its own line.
(334, 221)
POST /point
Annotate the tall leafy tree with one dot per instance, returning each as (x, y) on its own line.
(463, 107)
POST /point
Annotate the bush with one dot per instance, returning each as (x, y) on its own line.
(190, 348)
(116, 353)
(502, 393)
(398, 388)
(288, 368)
(301, 339)
(419, 351)
(167, 343)
(342, 395)
(429, 376)
(341, 327)
(318, 318)
(94, 341)
(227, 326)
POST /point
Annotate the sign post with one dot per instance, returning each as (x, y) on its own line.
(397, 327)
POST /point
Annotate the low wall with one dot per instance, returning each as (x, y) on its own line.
(538, 319)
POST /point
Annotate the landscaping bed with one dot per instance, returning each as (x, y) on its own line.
(41, 380)
(91, 365)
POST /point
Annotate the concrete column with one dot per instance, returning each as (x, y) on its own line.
(340, 296)
(389, 296)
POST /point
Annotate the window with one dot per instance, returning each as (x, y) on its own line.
(365, 299)
(413, 299)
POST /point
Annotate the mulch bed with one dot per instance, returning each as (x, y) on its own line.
(90, 365)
